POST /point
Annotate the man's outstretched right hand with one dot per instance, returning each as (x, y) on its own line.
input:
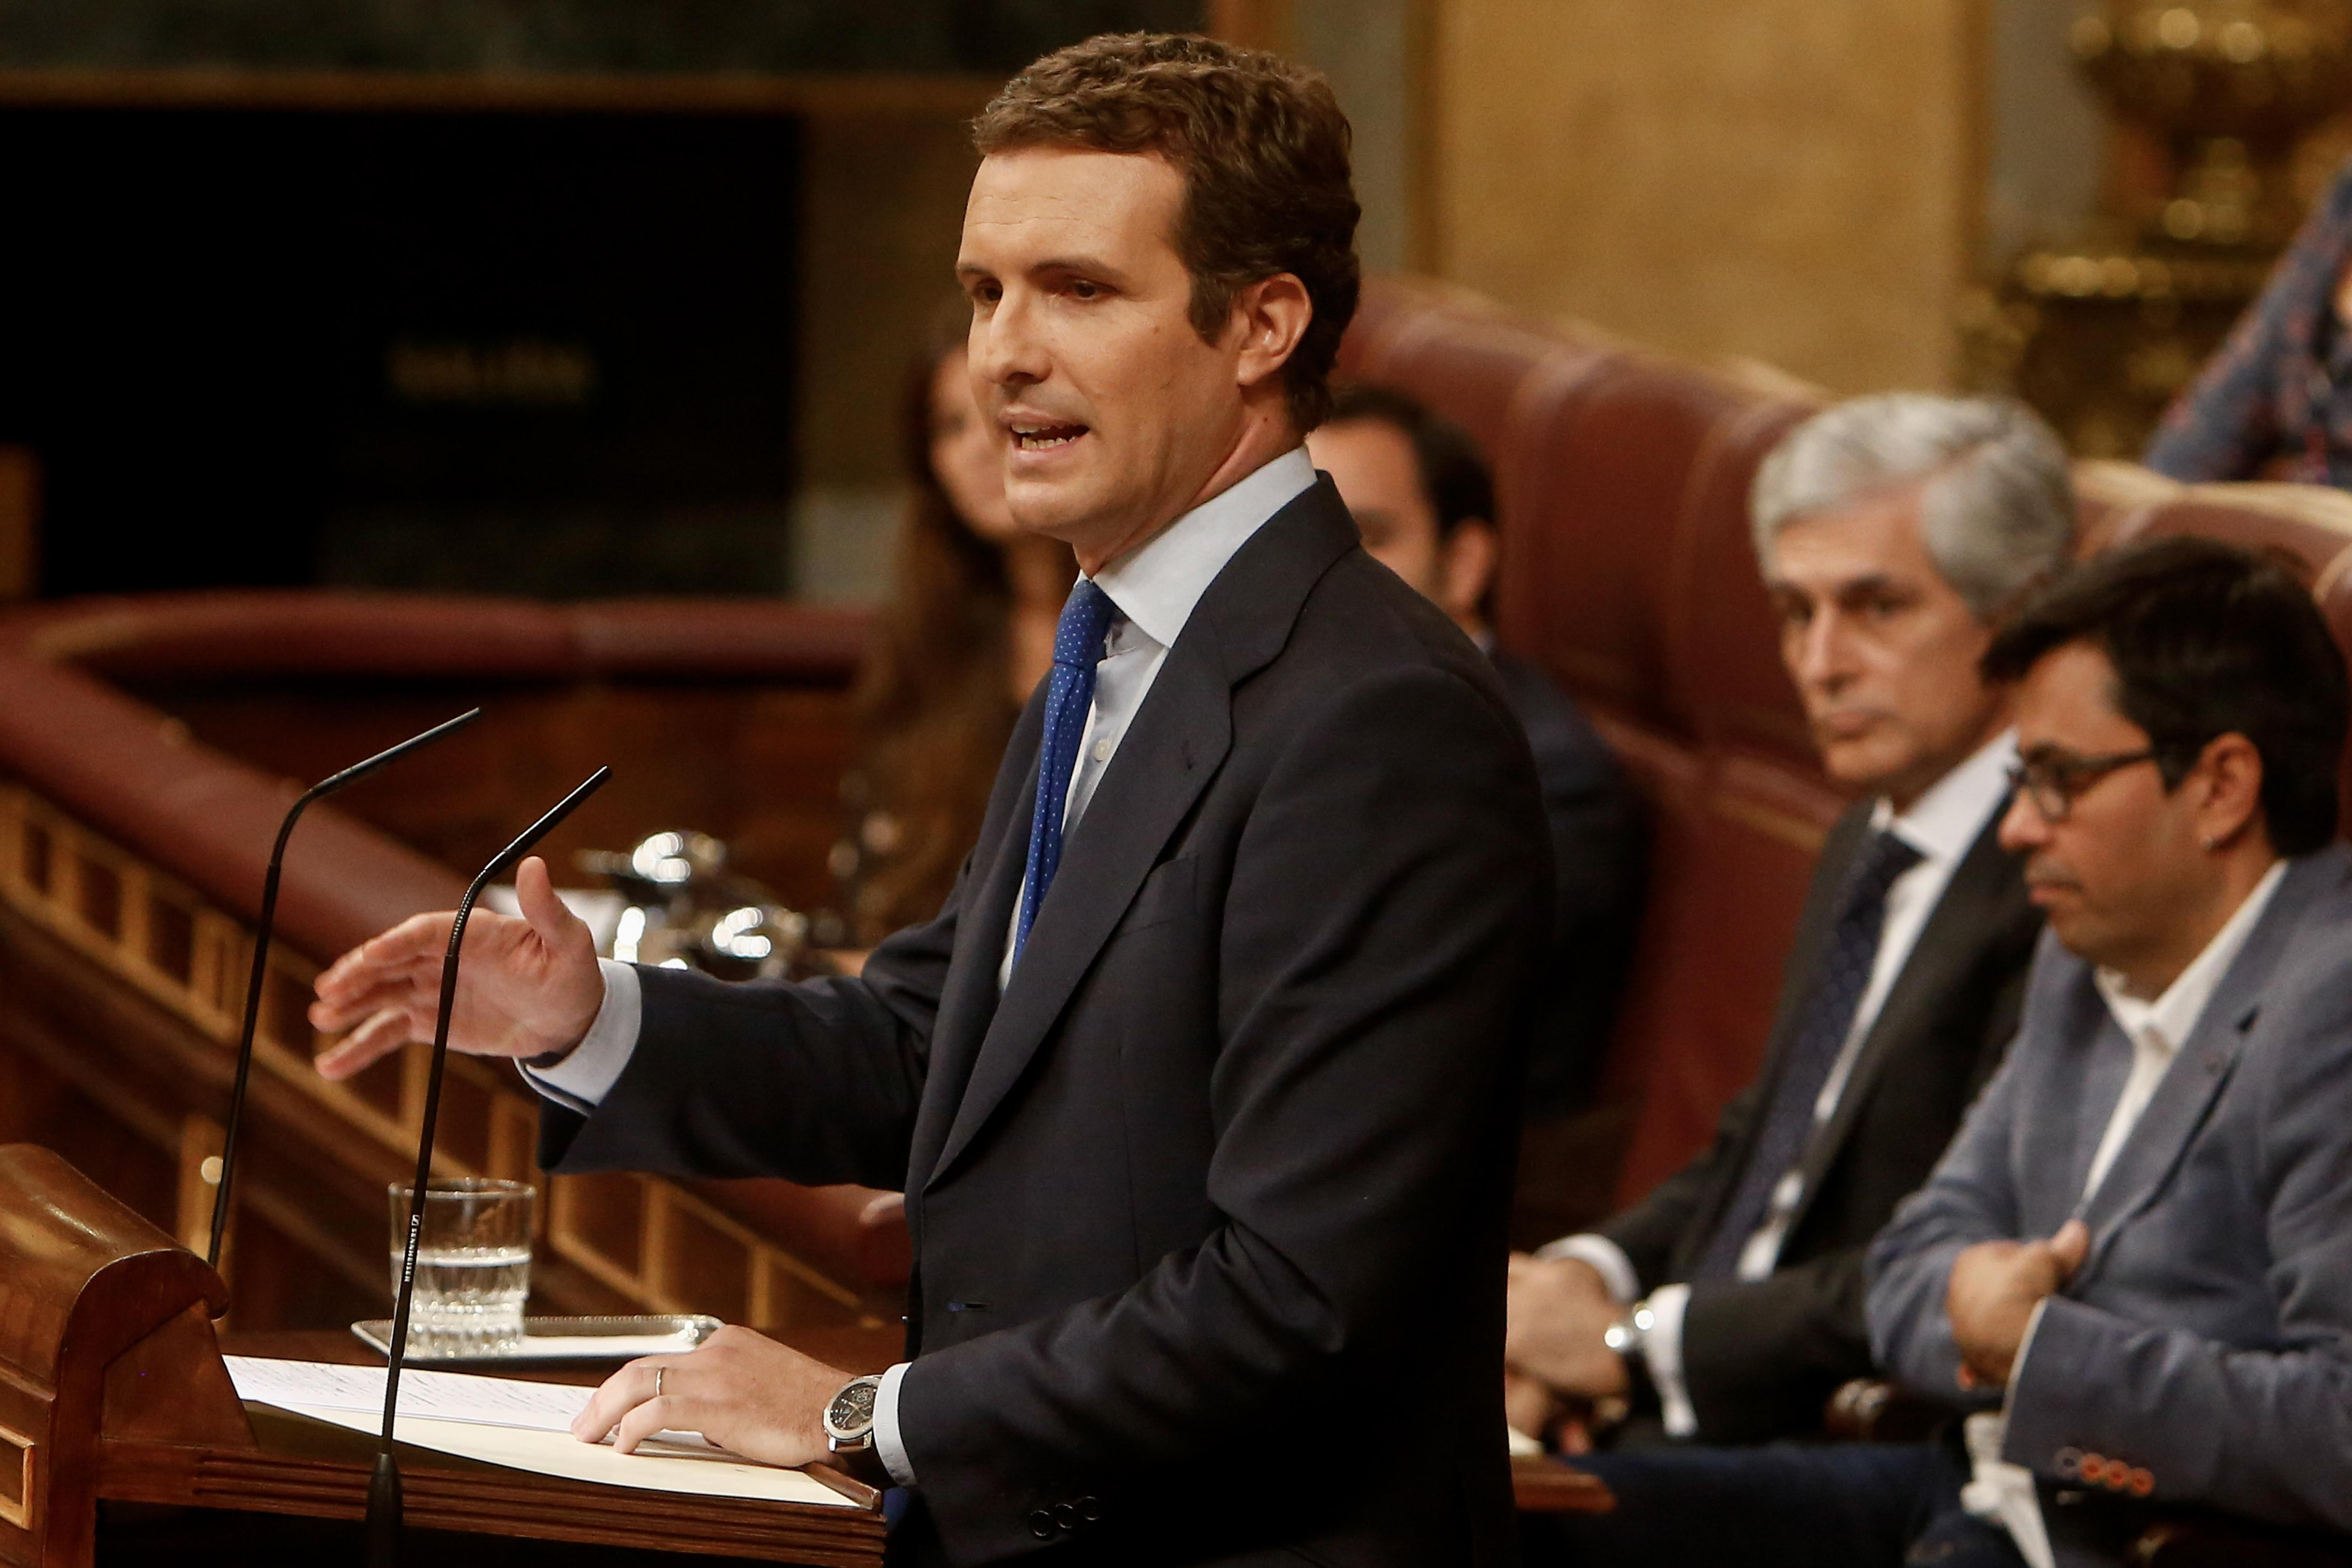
(529, 986)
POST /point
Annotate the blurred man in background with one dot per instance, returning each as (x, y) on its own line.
(1894, 533)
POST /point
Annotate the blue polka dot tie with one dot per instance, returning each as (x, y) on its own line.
(1818, 1039)
(1077, 647)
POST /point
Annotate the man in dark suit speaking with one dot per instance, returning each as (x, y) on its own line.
(1200, 1086)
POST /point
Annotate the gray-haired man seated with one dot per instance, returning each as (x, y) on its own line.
(1894, 532)
(2135, 1263)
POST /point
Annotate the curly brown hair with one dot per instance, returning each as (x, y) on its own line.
(1263, 148)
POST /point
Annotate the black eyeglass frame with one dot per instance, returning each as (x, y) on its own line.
(2055, 783)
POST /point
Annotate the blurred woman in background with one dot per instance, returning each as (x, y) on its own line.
(965, 634)
(2276, 402)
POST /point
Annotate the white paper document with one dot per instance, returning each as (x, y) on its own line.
(438, 1395)
(523, 1426)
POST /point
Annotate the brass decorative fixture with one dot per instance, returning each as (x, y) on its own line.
(2100, 334)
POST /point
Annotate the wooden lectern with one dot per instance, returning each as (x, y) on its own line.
(112, 1387)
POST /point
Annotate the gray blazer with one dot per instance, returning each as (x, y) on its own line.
(2208, 1337)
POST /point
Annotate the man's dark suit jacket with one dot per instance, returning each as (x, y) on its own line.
(1597, 852)
(1761, 1358)
(1208, 1210)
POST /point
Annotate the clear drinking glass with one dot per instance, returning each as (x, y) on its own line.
(473, 1263)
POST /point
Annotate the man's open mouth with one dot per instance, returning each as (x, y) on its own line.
(1044, 437)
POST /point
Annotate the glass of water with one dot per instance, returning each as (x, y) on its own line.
(473, 1263)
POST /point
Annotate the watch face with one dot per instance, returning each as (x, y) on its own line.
(852, 1408)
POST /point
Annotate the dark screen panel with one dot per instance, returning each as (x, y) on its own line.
(768, 36)
(546, 354)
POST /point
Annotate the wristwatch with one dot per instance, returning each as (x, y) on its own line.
(1629, 1336)
(850, 1419)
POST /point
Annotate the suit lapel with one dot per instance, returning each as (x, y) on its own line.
(1982, 898)
(970, 1002)
(1845, 840)
(2203, 1064)
(1171, 752)
(2105, 1067)
(1164, 762)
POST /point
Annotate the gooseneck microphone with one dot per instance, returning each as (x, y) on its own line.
(383, 1505)
(318, 791)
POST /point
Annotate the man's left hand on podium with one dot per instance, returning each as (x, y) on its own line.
(743, 1391)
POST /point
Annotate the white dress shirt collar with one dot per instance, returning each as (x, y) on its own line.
(1946, 820)
(1156, 585)
(2157, 1029)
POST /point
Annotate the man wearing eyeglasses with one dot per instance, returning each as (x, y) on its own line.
(2136, 1260)
(1894, 532)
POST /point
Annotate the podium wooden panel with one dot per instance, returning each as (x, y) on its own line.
(113, 1388)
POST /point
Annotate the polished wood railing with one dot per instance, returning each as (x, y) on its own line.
(649, 1242)
(147, 747)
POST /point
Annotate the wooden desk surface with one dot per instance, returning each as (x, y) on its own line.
(854, 1349)
(309, 1468)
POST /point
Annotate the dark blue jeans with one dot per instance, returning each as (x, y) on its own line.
(1828, 1505)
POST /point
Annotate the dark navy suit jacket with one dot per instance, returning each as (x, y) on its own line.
(1598, 858)
(1208, 1209)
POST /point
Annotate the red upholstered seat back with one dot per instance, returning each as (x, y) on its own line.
(1622, 481)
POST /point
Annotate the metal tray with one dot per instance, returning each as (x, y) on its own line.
(547, 1340)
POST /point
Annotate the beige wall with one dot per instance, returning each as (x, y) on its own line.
(1794, 181)
(884, 209)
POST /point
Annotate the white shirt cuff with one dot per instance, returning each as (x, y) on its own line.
(581, 1079)
(887, 1441)
(2007, 1490)
(1663, 1349)
(2001, 1493)
(1608, 1259)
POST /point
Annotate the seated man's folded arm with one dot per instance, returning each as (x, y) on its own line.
(1649, 1231)
(2262, 1431)
(1760, 1358)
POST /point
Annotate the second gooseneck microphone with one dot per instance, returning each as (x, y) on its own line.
(384, 1502)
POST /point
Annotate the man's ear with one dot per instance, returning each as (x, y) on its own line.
(1465, 567)
(1272, 314)
(2228, 778)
